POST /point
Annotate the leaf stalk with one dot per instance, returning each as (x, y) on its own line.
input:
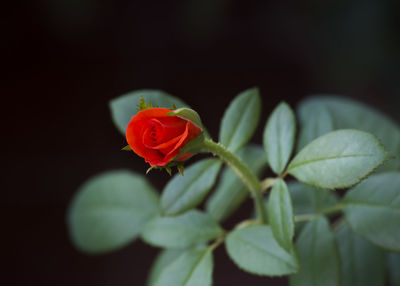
(243, 172)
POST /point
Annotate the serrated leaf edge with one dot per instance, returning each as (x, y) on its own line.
(387, 157)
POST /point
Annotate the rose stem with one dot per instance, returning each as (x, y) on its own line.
(243, 172)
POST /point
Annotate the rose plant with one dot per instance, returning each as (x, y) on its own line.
(301, 228)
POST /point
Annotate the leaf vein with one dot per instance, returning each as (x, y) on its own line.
(329, 158)
(194, 267)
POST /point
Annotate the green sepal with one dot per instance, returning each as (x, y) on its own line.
(127, 148)
(193, 146)
(151, 168)
(180, 168)
(168, 168)
(188, 114)
(142, 104)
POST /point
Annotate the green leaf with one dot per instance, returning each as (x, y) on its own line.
(186, 192)
(188, 114)
(314, 123)
(255, 250)
(109, 211)
(318, 255)
(280, 214)
(163, 259)
(362, 263)
(394, 266)
(308, 200)
(230, 191)
(124, 106)
(279, 137)
(372, 210)
(193, 268)
(346, 113)
(189, 229)
(240, 119)
(338, 159)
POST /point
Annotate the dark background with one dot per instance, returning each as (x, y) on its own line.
(64, 60)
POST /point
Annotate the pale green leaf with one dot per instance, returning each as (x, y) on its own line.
(230, 191)
(193, 268)
(280, 214)
(255, 250)
(125, 106)
(394, 266)
(240, 119)
(186, 192)
(314, 122)
(109, 211)
(163, 259)
(338, 159)
(318, 255)
(188, 229)
(362, 263)
(347, 113)
(279, 137)
(372, 210)
(308, 200)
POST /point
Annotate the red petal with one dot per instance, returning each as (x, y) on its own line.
(179, 144)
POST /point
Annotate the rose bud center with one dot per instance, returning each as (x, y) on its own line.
(162, 135)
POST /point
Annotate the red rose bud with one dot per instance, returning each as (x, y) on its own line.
(158, 137)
